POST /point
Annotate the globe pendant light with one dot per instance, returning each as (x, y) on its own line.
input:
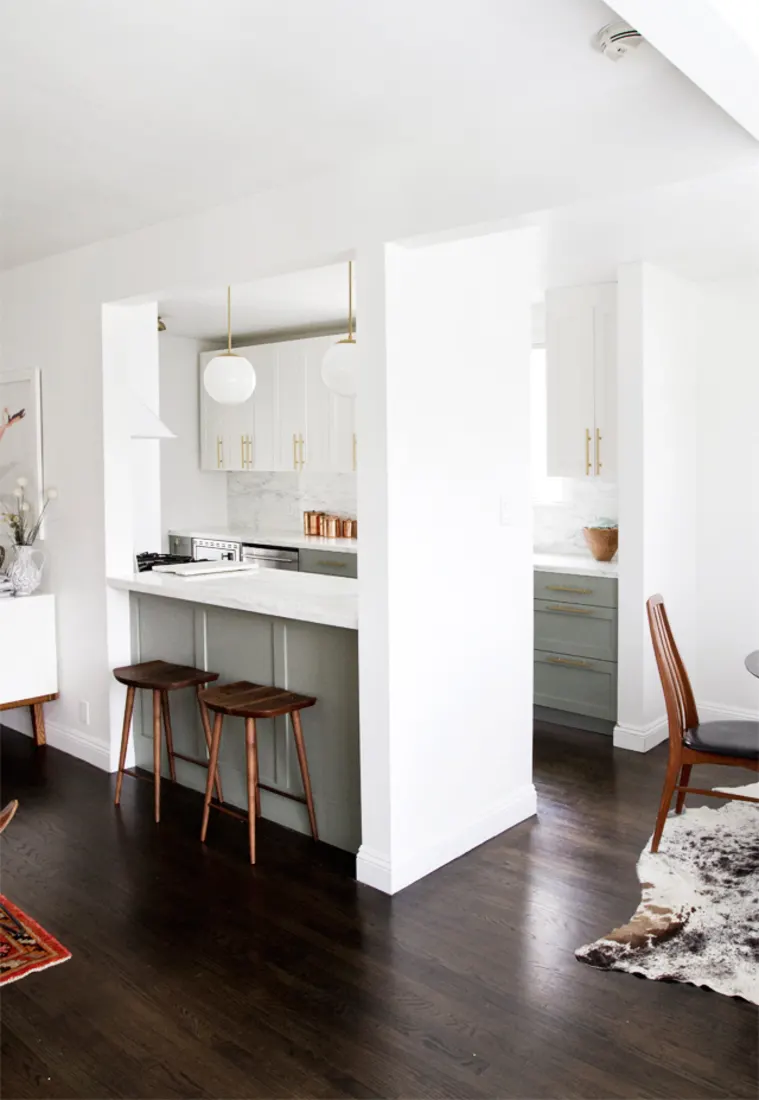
(229, 378)
(340, 364)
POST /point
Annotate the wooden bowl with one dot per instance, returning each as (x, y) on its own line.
(602, 541)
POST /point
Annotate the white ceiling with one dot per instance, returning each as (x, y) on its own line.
(118, 115)
(304, 300)
(703, 229)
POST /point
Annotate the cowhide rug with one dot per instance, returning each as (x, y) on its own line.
(698, 919)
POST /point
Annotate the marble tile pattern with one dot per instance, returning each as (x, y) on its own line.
(276, 501)
(558, 527)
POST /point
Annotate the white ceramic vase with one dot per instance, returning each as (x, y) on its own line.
(24, 573)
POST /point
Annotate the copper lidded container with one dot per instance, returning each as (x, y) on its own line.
(311, 523)
(332, 527)
(348, 528)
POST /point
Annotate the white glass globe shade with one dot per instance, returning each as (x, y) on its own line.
(340, 368)
(229, 379)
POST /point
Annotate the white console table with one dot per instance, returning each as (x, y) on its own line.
(28, 658)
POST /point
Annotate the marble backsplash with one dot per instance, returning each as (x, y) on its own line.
(276, 501)
(557, 528)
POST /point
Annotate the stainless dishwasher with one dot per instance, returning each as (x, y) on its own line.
(270, 557)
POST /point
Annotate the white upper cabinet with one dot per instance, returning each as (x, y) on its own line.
(581, 335)
(292, 422)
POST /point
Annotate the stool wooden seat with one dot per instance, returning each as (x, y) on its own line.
(161, 677)
(251, 702)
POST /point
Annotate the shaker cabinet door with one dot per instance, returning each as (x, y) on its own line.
(291, 406)
(581, 353)
(569, 381)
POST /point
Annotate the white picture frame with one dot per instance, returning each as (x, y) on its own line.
(21, 434)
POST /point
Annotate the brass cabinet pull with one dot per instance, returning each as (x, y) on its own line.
(242, 451)
(295, 451)
(599, 463)
(587, 453)
(571, 610)
(568, 588)
(219, 453)
(250, 453)
(332, 564)
(302, 451)
(354, 450)
(566, 661)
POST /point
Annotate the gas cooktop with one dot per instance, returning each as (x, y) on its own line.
(146, 562)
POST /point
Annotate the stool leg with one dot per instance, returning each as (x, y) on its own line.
(212, 766)
(38, 723)
(124, 741)
(157, 754)
(252, 771)
(258, 774)
(208, 736)
(301, 750)
(169, 734)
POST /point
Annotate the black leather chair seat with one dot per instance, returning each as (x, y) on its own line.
(725, 739)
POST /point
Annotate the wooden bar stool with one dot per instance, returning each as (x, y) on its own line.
(251, 702)
(160, 677)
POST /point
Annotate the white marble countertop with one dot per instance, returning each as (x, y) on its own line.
(296, 540)
(309, 597)
(581, 565)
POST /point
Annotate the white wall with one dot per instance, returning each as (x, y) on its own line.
(728, 499)
(446, 716)
(658, 483)
(189, 496)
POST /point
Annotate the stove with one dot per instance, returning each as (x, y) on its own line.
(146, 562)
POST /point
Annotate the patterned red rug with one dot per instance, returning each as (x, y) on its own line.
(24, 946)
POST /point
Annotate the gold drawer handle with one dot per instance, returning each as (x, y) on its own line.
(332, 564)
(568, 588)
(566, 661)
(571, 610)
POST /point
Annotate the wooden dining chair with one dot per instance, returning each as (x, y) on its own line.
(690, 740)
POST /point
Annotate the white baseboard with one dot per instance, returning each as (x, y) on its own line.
(641, 738)
(82, 745)
(376, 869)
(719, 712)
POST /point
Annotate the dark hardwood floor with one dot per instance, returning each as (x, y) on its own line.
(195, 975)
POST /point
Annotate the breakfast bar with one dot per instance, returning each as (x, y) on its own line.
(293, 630)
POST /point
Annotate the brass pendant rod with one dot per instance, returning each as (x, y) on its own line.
(229, 320)
(350, 301)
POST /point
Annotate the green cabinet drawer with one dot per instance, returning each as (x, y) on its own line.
(577, 630)
(568, 588)
(332, 562)
(576, 684)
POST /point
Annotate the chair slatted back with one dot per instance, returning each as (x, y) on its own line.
(678, 693)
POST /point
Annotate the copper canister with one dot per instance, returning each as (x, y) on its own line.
(307, 523)
(313, 523)
(347, 528)
(332, 527)
(320, 523)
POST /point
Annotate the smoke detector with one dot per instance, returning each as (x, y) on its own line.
(616, 39)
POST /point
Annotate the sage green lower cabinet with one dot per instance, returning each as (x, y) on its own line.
(239, 645)
(576, 684)
(332, 562)
(576, 649)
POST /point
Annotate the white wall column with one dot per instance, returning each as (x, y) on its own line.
(658, 373)
(446, 611)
